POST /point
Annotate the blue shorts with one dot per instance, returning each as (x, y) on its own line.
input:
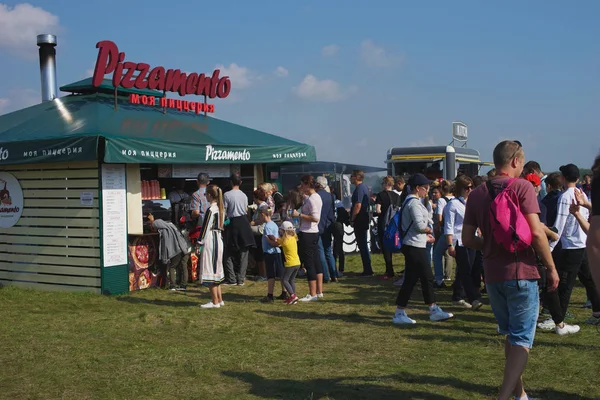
(274, 265)
(516, 309)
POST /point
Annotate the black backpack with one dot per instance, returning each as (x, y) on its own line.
(391, 211)
(182, 214)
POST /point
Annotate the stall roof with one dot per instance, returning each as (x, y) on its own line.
(326, 166)
(85, 87)
(83, 127)
(429, 153)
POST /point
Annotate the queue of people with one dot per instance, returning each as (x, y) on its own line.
(528, 235)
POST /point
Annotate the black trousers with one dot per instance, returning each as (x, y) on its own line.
(417, 268)
(338, 245)
(585, 277)
(387, 255)
(178, 270)
(309, 254)
(569, 265)
(467, 272)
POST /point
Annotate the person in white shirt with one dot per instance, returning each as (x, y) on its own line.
(440, 247)
(454, 213)
(572, 258)
(308, 233)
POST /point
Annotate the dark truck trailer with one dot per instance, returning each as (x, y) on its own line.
(435, 162)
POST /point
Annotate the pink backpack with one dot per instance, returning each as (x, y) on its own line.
(509, 226)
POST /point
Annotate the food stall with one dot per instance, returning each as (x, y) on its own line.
(78, 170)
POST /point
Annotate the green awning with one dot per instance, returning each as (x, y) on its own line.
(52, 150)
(151, 152)
(136, 134)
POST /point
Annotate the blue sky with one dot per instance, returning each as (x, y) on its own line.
(351, 78)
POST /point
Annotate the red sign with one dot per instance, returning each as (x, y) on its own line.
(181, 105)
(110, 60)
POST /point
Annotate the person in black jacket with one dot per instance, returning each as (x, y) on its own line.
(386, 199)
(325, 231)
(342, 219)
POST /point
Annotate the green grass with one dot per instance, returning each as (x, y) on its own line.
(156, 344)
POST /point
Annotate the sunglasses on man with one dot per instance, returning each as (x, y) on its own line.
(519, 147)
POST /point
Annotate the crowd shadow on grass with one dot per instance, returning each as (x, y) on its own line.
(357, 387)
(335, 388)
(488, 337)
(354, 318)
(157, 302)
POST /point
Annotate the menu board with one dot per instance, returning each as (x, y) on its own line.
(114, 215)
(192, 170)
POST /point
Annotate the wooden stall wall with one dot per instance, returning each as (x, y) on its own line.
(55, 245)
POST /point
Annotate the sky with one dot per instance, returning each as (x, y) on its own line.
(351, 78)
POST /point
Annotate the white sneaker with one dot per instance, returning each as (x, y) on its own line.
(210, 304)
(566, 329)
(437, 314)
(221, 304)
(547, 325)
(320, 295)
(463, 304)
(402, 319)
(308, 298)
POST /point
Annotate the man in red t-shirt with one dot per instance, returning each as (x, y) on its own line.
(512, 286)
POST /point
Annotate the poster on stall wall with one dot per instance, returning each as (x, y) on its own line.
(144, 271)
(11, 200)
(114, 215)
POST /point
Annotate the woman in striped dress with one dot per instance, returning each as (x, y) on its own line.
(211, 240)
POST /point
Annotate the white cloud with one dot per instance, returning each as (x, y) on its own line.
(241, 77)
(326, 90)
(330, 50)
(281, 72)
(19, 98)
(377, 57)
(4, 103)
(428, 141)
(19, 26)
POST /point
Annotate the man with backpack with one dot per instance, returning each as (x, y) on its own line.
(505, 210)
(387, 205)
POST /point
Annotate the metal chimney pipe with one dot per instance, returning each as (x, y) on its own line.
(47, 52)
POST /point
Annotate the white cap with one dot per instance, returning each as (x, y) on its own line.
(287, 226)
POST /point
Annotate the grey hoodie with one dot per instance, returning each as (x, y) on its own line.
(414, 211)
(172, 242)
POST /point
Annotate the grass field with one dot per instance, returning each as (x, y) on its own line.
(157, 344)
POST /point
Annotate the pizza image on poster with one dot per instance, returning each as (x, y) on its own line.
(143, 252)
(144, 272)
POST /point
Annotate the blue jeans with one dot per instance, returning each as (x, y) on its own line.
(516, 307)
(326, 255)
(363, 246)
(439, 249)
